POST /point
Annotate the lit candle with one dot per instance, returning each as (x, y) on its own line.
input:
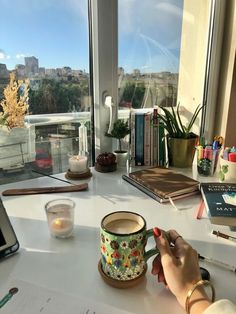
(78, 163)
(61, 227)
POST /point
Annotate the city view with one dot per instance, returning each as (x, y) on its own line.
(47, 44)
(67, 90)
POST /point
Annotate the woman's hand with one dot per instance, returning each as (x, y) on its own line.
(177, 266)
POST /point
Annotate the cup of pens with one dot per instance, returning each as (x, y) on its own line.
(207, 159)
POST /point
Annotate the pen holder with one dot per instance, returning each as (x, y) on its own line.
(227, 171)
(207, 159)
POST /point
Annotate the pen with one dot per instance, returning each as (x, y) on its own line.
(223, 235)
(217, 263)
(8, 296)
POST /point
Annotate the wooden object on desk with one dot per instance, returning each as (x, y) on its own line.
(163, 183)
(78, 175)
(45, 190)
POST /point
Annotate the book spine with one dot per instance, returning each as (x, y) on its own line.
(132, 139)
(139, 139)
(147, 139)
(155, 138)
(151, 141)
(161, 143)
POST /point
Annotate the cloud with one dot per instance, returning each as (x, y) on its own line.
(20, 56)
(3, 55)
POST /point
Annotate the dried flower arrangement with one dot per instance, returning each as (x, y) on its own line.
(15, 104)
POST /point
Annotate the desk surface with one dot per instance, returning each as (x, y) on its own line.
(70, 265)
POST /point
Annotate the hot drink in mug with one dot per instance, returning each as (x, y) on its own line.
(123, 240)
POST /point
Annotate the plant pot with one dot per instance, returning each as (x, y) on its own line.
(181, 151)
(121, 158)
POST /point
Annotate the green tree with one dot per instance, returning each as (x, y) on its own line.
(53, 96)
(134, 92)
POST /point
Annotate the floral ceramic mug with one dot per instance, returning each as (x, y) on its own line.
(123, 240)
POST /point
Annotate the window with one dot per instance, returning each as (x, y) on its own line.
(168, 53)
(149, 52)
(46, 42)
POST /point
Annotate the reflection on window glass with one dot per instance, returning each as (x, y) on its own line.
(46, 43)
(149, 52)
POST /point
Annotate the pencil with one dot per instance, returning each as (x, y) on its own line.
(199, 212)
(217, 263)
(224, 236)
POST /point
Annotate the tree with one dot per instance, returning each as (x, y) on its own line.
(134, 93)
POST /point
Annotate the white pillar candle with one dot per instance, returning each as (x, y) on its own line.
(83, 138)
(61, 227)
(78, 163)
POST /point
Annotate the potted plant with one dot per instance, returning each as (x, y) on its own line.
(119, 131)
(17, 139)
(181, 140)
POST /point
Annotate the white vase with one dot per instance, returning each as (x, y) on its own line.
(121, 158)
(17, 146)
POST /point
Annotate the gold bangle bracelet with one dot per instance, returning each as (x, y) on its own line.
(190, 292)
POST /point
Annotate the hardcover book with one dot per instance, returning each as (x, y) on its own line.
(220, 202)
(163, 183)
(147, 139)
(139, 139)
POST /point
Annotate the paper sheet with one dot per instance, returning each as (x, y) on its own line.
(33, 299)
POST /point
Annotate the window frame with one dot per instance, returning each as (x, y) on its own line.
(104, 33)
(104, 44)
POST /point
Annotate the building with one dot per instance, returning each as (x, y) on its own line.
(20, 71)
(4, 73)
(31, 66)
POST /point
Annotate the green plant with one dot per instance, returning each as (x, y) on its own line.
(173, 124)
(119, 131)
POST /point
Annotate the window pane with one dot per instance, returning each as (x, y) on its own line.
(46, 43)
(149, 52)
(163, 53)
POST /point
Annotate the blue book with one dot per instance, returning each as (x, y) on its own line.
(139, 139)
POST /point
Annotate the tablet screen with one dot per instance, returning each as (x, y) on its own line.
(8, 241)
(2, 239)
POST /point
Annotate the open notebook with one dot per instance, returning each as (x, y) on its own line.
(163, 183)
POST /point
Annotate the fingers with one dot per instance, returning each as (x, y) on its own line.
(156, 265)
(161, 242)
(175, 236)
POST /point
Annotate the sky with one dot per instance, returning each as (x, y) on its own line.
(56, 32)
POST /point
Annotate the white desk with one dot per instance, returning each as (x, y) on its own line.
(71, 265)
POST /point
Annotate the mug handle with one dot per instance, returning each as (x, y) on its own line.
(151, 252)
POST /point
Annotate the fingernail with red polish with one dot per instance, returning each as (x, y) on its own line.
(156, 231)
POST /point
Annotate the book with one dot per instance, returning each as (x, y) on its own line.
(139, 139)
(220, 202)
(147, 139)
(132, 138)
(155, 146)
(161, 143)
(163, 183)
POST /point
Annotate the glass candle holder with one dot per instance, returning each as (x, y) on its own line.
(60, 217)
(78, 163)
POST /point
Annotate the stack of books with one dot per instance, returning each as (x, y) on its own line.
(147, 140)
